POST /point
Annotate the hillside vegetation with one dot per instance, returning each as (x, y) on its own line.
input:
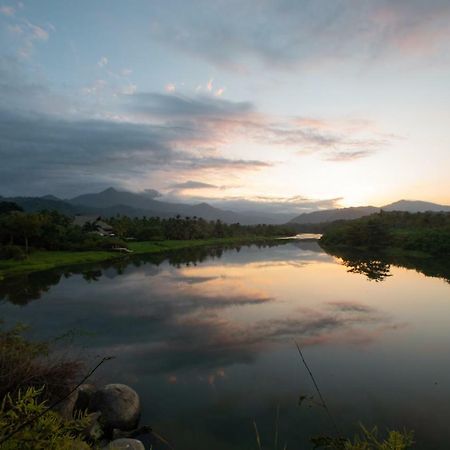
(427, 232)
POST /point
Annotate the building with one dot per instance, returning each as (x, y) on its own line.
(94, 224)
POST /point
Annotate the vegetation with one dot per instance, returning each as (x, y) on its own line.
(46, 260)
(367, 440)
(426, 233)
(22, 232)
(47, 430)
(31, 377)
(25, 364)
(47, 239)
(190, 228)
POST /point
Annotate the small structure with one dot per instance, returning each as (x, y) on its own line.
(94, 224)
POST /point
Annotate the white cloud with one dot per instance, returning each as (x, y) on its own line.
(170, 87)
(7, 10)
(103, 61)
(129, 89)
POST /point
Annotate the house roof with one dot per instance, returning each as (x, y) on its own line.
(83, 220)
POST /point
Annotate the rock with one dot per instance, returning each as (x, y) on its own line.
(125, 444)
(66, 407)
(85, 393)
(119, 405)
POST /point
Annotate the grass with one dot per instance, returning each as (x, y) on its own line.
(45, 260)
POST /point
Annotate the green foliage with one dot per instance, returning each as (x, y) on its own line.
(47, 431)
(7, 207)
(423, 232)
(12, 252)
(367, 440)
(190, 228)
(50, 230)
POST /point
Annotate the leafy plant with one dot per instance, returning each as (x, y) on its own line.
(367, 440)
(43, 432)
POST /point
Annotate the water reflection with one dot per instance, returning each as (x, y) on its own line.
(377, 266)
(24, 288)
(207, 338)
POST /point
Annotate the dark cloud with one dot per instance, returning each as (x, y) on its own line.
(152, 193)
(175, 106)
(48, 147)
(43, 150)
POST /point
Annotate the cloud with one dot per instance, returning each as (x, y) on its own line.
(290, 33)
(152, 193)
(44, 150)
(344, 140)
(342, 156)
(170, 87)
(192, 185)
(184, 107)
(153, 134)
(27, 34)
(7, 10)
(184, 326)
(102, 62)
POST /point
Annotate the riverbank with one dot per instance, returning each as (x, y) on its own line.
(45, 260)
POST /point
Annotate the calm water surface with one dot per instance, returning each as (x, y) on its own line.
(208, 341)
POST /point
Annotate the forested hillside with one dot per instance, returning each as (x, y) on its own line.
(424, 232)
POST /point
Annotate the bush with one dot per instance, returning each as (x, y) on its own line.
(47, 432)
(25, 364)
(12, 252)
(367, 440)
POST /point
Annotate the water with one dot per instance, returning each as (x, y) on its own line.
(207, 338)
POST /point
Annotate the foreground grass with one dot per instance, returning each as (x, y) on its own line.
(45, 260)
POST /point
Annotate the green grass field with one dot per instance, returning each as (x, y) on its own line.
(44, 260)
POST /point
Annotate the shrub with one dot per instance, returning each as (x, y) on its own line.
(367, 440)
(12, 252)
(25, 364)
(45, 431)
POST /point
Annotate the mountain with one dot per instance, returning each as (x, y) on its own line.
(34, 204)
(415, 206)
(111, 202)
(330, 215)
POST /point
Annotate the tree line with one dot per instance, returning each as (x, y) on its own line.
(21, 232)
(187, 228)
(427, 232)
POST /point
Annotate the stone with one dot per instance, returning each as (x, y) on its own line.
(66, 407)
(119, 405)
(125, 444)
(85, 393)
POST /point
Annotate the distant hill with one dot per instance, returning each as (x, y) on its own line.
(415, 206)
(111, 202)
(34, 204)
(331, 215)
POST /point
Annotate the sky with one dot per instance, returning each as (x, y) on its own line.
(291, 104)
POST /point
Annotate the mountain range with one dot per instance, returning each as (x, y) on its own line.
(330, 215)
(111, 202)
